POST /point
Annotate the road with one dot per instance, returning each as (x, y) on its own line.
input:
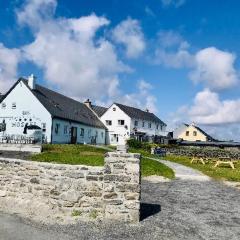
(190, 207)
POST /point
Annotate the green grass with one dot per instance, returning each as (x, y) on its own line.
(219, 173)
(151, 167)
(92, 156)
(71, 154)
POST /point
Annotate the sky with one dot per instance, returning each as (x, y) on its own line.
(178, 58)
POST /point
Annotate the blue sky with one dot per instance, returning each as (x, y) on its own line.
(179, 58)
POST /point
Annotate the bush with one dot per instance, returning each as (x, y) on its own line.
(133, 143)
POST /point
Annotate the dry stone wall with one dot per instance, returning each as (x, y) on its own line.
(59, 191)
(209, 152)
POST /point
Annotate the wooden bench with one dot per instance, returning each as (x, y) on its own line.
(225, 161)
(200, 159)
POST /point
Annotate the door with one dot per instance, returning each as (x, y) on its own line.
(73, 135)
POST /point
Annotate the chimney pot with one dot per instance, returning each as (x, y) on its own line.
(88, 103)
(32, 81)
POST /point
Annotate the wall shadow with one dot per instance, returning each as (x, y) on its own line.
(148, 209)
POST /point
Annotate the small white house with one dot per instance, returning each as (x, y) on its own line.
(60, 118)
(124, 122)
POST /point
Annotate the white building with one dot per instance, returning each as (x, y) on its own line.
(124, 122)
(61, 119)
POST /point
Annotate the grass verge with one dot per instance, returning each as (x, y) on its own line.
(71, 154)
(219, 173)
(92, 156)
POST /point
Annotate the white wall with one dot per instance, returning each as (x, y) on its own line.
(28, 110)
(126, 130)
(122, 132)
(89, 132)
(149, 131)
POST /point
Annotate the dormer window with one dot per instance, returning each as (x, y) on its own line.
(149, 125)
(4, 105)
(114, 109)
(121, 122)
(14, 105)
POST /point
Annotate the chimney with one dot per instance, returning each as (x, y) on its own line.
(88, 103)
(147, 110)
(31, 81)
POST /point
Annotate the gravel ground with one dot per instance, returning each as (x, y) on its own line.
(190, 207)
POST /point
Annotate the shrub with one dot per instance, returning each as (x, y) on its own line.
(133, 143)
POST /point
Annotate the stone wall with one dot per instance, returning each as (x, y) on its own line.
(205, 151)
(69, 192)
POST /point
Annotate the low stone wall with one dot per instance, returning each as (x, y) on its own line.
(18, 147)
(66, 192)
(206, 151)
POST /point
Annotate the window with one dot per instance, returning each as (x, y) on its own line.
(102, 135)
(14, 105)
(121, 122)
(114, 109)
(43, 126)
(82, 132)
(3, 105)
(108, 122)
(194, 133)
(157, 126)
(187, 133)
(96, 134)
(89, 133)
(161, 127)
(65, 130)
(149, 125)
(57, 126)
(135, 123)
(143, 124)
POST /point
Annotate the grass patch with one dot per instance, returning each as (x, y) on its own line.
(76, 213)
(93, 156)
(151, 167)
(219, 173)
(71, 154)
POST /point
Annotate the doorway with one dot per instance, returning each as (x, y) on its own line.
(73, 135)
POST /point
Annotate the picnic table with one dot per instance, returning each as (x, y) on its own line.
(224, 161)
(200, 158)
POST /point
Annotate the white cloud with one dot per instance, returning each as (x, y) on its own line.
(172, 50)
(215, 68)
(73, 58)
(129, 33)
(33, 12)
(209, 109)
(9, 59)
(210, 66)
(174, 3)
(149, 11)
(142, 99)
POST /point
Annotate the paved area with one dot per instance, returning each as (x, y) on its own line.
(190, 207)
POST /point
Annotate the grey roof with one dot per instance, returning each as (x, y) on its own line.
(1, 97)
(64, 107)
(140, 114)
(99, 110)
